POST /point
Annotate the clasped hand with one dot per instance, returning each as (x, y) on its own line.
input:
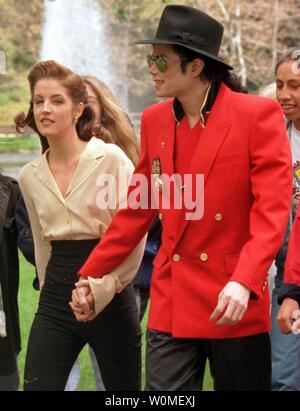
(83, 304)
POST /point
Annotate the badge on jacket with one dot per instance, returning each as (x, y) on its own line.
(156, 172)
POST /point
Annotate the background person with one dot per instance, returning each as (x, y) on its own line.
(286, 349)
(14, 233)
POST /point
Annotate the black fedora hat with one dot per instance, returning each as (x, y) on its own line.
(190, 28)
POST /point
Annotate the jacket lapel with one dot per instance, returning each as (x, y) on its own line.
(212, 138)
(167, 143)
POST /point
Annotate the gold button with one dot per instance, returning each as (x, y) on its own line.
(176, 258)
(203, 257)
(160, 216)
(218, 217)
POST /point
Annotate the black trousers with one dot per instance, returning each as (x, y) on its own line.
(236, 364)
(56, 338)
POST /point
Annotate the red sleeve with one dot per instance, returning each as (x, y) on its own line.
(292, 264)
(127, 228)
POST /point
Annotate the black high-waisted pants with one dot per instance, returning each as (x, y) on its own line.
(56, 337)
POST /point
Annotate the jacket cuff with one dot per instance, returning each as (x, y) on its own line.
(289, 290)
(103, 290)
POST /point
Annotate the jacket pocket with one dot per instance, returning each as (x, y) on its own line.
(230, 159)
(231, 262)
(160, 259)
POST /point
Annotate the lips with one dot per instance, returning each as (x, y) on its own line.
(288, 106)
(158, 83)
(46, 121)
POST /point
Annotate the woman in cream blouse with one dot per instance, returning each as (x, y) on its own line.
(64, 192)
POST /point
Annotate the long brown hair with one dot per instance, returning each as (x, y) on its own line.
(76, 89)
(115, 126)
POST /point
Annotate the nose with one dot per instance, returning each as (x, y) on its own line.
(283, 93)
(153, 68)
(46, 107)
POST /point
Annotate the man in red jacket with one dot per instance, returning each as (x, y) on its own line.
(209, 293)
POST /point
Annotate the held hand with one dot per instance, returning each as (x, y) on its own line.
(232, 304)
(82, 291)
(83, 302)
(80, 315)
(285, 316)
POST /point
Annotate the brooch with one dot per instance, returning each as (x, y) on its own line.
(156, 173)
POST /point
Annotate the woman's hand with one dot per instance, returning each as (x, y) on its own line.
(82, 303)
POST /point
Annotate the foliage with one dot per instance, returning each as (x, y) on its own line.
(20, 32)
(255, 34)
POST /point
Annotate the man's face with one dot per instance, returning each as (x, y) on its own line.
(173, 82)
(288, 91)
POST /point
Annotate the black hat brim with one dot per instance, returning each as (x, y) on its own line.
(203, 52)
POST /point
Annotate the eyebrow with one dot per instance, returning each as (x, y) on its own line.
(54, 95)
(290, 81)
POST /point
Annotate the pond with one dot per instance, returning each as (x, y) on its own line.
(12, 162)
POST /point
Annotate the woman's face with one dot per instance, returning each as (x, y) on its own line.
(53, 109)
(94, 103)
(288, 90)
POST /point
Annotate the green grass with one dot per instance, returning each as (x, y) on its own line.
(12, 144)
(28, 298)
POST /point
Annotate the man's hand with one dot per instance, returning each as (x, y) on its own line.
(82, 302)
(232, 304)
(285, 315)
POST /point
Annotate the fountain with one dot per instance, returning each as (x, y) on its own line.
(74, 34)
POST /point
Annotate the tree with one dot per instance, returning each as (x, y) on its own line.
(255, 34)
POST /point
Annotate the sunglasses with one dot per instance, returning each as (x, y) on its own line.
(160, 62)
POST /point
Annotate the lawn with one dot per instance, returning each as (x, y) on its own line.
(27, 304)
(16, 143)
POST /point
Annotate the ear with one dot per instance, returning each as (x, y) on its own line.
(197, 67)
(78, 109)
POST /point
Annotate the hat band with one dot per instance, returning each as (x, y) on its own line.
(189, 39)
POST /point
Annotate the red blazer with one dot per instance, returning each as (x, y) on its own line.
(245, 157)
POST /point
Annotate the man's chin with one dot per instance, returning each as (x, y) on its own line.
(161, 94)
